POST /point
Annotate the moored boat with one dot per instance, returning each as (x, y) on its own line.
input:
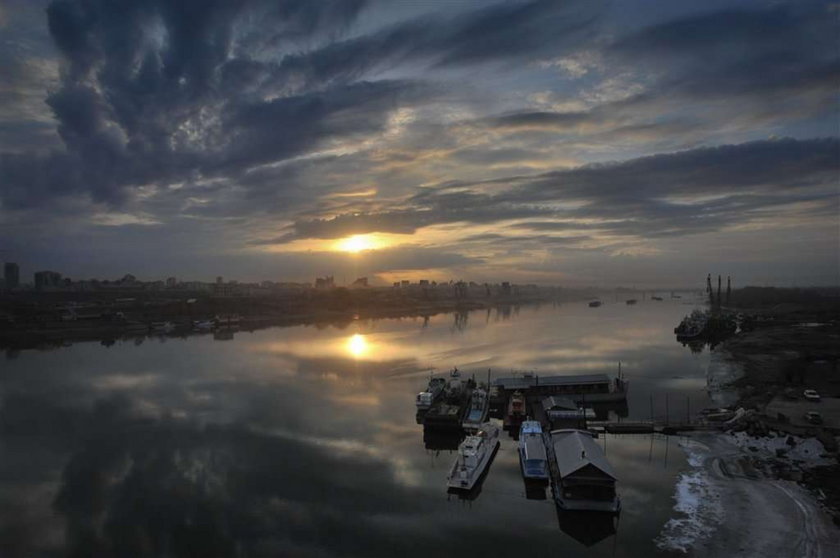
(162, 327)
(532, 455)
(478, 408)
(595, 304)
(426, 398)
(516, 408)
(474, 455)
(582, 478)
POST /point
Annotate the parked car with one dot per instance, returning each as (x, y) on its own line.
(811, 395)
(813, 417)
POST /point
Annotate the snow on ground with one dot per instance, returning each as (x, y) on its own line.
(808, 450)
(697, 501)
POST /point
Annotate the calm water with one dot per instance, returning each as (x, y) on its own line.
(302, 441)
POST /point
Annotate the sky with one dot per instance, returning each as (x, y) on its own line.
(574, 143)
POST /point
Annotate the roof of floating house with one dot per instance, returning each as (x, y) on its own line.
(559, 403)
(575, 450)
(531, 380)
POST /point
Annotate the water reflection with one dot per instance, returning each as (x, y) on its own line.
(588, 528)
(303, 440)
(357, 346)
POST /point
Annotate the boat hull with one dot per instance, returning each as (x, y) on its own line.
(457, 484)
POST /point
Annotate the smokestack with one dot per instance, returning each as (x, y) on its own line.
(728, 289)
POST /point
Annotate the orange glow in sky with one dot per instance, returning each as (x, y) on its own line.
(357, 243)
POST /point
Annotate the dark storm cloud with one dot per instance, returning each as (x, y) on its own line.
(742, 49)
(159, 92)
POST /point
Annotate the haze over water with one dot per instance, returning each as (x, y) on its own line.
(303, 440)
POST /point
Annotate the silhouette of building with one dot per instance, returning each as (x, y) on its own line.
(171, 282)
(360, 282)
(11, 275)
(327, 282)
(47, 280)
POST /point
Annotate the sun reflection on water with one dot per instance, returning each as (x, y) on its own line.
(357, 345)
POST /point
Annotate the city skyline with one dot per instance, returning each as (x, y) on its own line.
(573, 143)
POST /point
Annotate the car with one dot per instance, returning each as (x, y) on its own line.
(811, 395)
(813, 417)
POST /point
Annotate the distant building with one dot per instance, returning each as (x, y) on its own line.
(11, 275)
(219, 280)
(424, 282)
(327, 282)
(47, 280)
(171, 282)
(405, 283)
(360, 282)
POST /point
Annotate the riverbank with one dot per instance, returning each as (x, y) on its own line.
(774, 470)
(732, 502)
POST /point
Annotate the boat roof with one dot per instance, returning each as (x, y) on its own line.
(560, 403)
(534, 447)
(530, 427)
(527, 381)
(575, 449)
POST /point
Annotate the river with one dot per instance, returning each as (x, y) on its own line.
(302, 441)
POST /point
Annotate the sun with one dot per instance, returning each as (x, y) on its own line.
(357, 345)
(356, 243)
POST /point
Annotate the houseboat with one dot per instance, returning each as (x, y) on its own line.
(582, 478)
(586, 388)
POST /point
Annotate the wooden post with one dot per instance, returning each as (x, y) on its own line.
(667, 412)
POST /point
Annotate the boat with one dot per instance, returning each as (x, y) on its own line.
(449, 409)
(692, 326)
(477, 411)
(582, 478)
(631, 301)
(204, 325)
(516, 408)
(659, 298)
(532, 455)
(162, 327)
(227, 319)
(474, 455)
(595, 304)
(426, 398)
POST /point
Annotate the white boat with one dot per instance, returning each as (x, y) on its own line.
(433, 391)
(474, 455)
(532, 454)
(478, 409)
(162, 327)
(204, 325)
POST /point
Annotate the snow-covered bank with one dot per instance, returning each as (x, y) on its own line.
(697, 501)
(724, 507)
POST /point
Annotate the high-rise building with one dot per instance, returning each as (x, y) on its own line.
(47, 280)
(11, 275)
